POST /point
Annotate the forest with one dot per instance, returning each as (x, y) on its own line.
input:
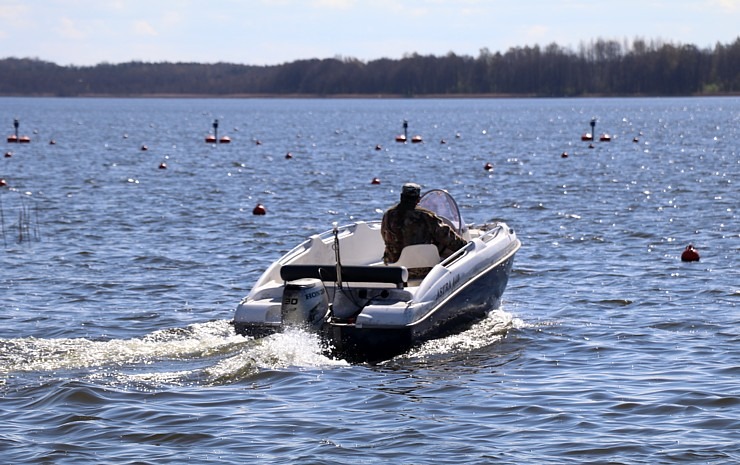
(600, 67)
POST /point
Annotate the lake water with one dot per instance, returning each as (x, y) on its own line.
(118, 280)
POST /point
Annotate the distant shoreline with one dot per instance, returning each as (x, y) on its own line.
(359, 96)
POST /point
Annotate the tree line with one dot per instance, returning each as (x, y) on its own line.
(600, 67)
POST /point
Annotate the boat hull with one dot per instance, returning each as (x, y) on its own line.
(469, 304)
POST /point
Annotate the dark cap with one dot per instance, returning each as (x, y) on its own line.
(411, 189)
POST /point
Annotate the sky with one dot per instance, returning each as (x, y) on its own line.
(269, 32)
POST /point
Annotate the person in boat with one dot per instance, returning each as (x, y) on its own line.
(406, 223)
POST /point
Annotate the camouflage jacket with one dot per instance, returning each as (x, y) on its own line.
(403, 226)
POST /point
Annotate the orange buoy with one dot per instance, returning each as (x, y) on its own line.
(375, 181)
(488, 167)
(210, 139)
(690, 254)
(163, 166)
(259, 209)
(224, 140)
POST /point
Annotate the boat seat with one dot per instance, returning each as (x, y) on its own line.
(397, 275)
(418, 256)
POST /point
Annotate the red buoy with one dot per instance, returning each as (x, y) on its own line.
(259, 209)
(375, 181)
(3, 182)
(690, 254)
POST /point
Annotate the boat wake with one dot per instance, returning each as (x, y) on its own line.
(208, 353)
(204, 353)
(488, 331)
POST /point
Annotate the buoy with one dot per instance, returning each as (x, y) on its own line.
(590, 146)
(564, 155)
(442, 141)
(416, 139)
(52, 142)
(375, 181)
(210, 139)
(690, 254)
(288, 156)
(224, 140)
(488, 167)
(163, 166)
(259, 209)
(636, 140)
(3, 183)
(144, 148)
(8, 154)
(378, 147)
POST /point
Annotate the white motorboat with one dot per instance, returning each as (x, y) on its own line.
(336, 283)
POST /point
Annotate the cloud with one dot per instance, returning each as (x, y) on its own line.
(143, 28)
(537, 32)
(335, 4)
(727, 5)
(68, 29)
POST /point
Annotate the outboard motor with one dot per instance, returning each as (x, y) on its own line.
(304, 302)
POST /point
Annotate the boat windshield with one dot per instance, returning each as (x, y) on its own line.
(442, 203)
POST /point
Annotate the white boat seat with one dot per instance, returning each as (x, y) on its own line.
(418, 256)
